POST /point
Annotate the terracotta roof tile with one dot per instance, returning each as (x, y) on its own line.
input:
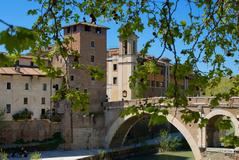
(22, 71)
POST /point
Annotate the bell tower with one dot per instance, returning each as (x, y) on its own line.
(127, 63)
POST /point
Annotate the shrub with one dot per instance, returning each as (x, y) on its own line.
(35, 156)
(168, 143)
(22, 115)
(3, 156)
(52, 116)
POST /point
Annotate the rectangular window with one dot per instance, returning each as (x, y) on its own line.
(87, 28)
(92, 58)
(115, 67)
(68, 29)
(114, 80)
(9, 85)
(125, 47)
(134, 47)
(43, 111)
(43, 100)
(44, 87)
(31, 64)
(8, 108)
(72, 78)
(25, 100)
(92, 43)
(98, 30)
(26, 86)
(74, 28)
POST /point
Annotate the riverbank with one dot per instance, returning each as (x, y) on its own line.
(116, 154)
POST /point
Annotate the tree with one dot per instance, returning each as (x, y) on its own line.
(209, 29)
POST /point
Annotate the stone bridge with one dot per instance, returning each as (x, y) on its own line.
(199, 139)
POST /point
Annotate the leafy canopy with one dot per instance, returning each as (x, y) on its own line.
(209, 31)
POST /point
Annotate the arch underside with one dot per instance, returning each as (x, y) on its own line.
(121, 127)
(220, 112)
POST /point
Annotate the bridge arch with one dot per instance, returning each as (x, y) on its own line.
(218, 112)
(126, 123)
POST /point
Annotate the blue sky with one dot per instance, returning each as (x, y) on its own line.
(15, 12)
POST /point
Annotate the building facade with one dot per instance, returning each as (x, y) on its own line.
(26, 87)
(121, 63)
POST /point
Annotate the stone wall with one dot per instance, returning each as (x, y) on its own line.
(27, 130)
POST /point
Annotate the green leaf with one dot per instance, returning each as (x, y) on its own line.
(183, 23)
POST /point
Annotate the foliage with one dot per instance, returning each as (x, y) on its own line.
(168, 143)
(230, 141)
(22, 115)
(43, 145)
(208, 29)
(3, 156)
(52, 116)
(224, 86)
(139, 82)
(35, 156)
(223, 123)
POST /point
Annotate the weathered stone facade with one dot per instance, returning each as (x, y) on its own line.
(27, 130)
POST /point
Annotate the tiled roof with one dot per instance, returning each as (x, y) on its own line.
(22, 71)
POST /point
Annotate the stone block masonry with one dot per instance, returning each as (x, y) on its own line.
(27, 130)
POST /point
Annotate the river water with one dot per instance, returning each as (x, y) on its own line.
(166, 156)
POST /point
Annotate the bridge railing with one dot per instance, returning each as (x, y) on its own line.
(192, 102)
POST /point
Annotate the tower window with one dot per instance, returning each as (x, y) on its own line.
(68, 29)
(115, 67)
(72, 78)
(25, 100)
(44, 86)
(9, 85)
(114, 80)
(92, 58)
(98, 30)
(26, 86)
(87, 28)
(74, 28)
(92, 43)
(125, 47)
(32, 64)
(134, 47)
(8, 108)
